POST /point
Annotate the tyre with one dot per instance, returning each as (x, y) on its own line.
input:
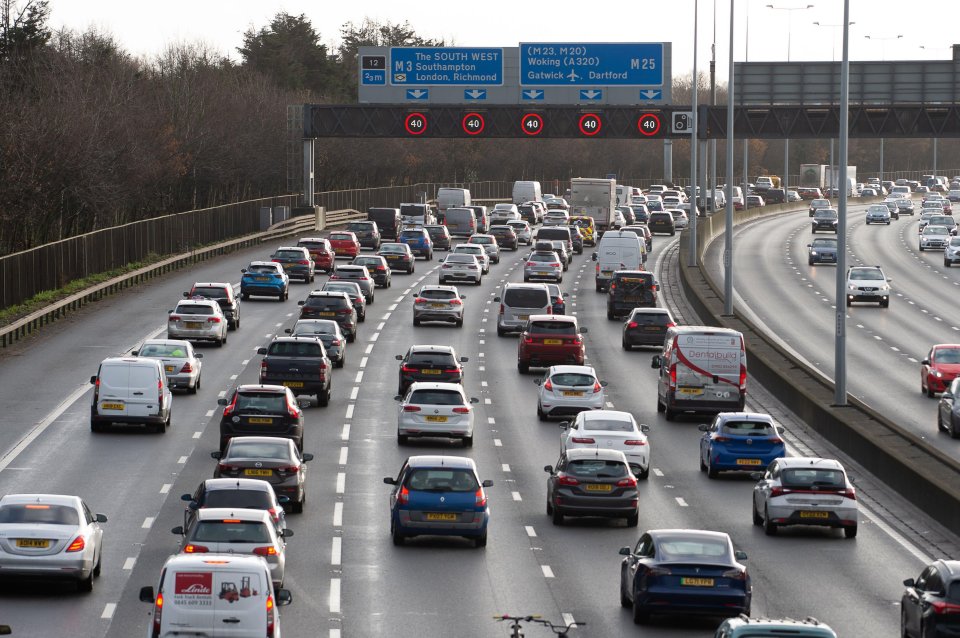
(468, 441)
(670, 414)
(757, 520)
(848, 302)
(640, 617)
(711, 472)
(442, 281)
(411, 269)
(940, 426)
(220, 342)
(416, 321)
(194, 388)
(402, 439)
(541, 415)
(362, 318)
(610, 315)
(930, 392)
(396, 536)
(770, 529)
(459, 323)
(952, 429)
(340, 362)
(644, 474)
(885, 302)
(351, 337)
(626, 346)
(524, 368)
(850, 531)
(624, 601)
(500, 331)
(703, 466)
(633, 520)
(525, 279)
(371, 300)
(297, 508)
(947, 263)
(480, 541)
(96, 426)
(244, 296)
(86, 585)
(97, 569)
(921, 248)
(556, 517)
(323, 398)
(660, 406)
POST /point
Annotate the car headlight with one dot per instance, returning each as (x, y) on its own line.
(938, 374)
(851, 286)
(813, 253)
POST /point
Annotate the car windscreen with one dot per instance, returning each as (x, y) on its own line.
(393, 249)
(305, 348)
(341, 237)
(436, 397)
(526, 298)
(252, 499)
(803, 477)
(432, 359)
(261, 403)
(230, 531)
(348, 287)
(573, 378)
(312, 245)
(442, 480)
(193, 309)
(437, 294)
(552, 327)
(868, 275)
(825, 213)
(644, 318)
(947, 355)
(40, 513)
(454, 258)
(597, 469)
(824, 244)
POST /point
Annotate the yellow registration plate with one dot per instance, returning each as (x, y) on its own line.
(293, 384)
(111, 406)
(598, 487)
(572, 393)
(438, 305)
(168, 368)
(553, 342)
(523, 317)
(430, 371)
(436, 419)
(439, 516)
(696, 582)
(194, 325)
(690, 392)
(261, 278)
(41, 543)
(748, 461)
(326, 314)
(257, 472)
(260, 420)
(814, 515)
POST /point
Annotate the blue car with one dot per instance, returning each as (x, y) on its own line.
(439, 496)
(264, 278)
(739, 441)
(419, 241)
(684, 572)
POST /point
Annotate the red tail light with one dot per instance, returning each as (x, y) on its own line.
(226, 467)
(293, 411)
(735, 574)
(633, 324)
(722, 439)
(228, 409)
(275, 260)
(501, 309)
(359, 300)
(289, 469)
(779, 491)
(462, 410)
(157, 611)
(456, 302)
(77, 545)
(267, 550)
(186, 367)
(850, 493)
(407, 369)
(577, 439)
(174, 317)
(557, 265)
(213, 319)
(597, 387)
(673, 375)
(271, 617)
(195, 549)
(942, 608)
(549, 310)
(627, 482)
(563, 479)
(404, 496)
(451, 370)
(530, 263)
(273, 514)
(303, 262)
(335, 342)
(527, 339)
(743, 377)
(160, 393)
(548, 386)
(381, 268)
(263, 370)
(658, 571)
(411, 408)
(635, 442)
(480, 499)
(670, 324)
(345, 311)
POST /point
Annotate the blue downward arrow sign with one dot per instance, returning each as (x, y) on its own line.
(591, 94)
(475, 94)
(417, 94)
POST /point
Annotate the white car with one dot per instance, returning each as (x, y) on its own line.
(435, 410)
(618, 219)
(680, 219)
(569, 390)
(523, 231)
(934, 237)
(556, 217)
(868, 283)
(477, 251)
(181, 363)
(461, 266)
(805, 491)
(197, 320)
(611, 429)
(951, 254)
(50, 536)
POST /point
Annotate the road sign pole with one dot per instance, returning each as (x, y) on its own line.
(840, 354)
(728, 235)
(308, 175)
(668, 161)
(692, 258)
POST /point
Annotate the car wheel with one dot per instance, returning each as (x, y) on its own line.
(850, 531)
(849, 302)
(351, 337)
(644, 474)
(625, 602)
(660, 406)
(757, 520)
(640, 617)
(244, 296)
(809, 262)
(952, 429)
(340, 362)
(196, 386)
(930, 392)
(903, 624)
(480, 541)
(711, 472)
(411, 269)
(97, 569)
(459, 322)
(396, 536)
(371, 300)
(670, 414)
(220, 342)
(323, 398)
(416, 321)
(556, 517)
(402, 439)
(885, 302)
(947, 263)
(523, 367)
(703, 466)
(541, 415)
(86, 585)
(362, 318)
(610, 315)
(525, 279)
(468, 441)
(921, 248)
(633, 520)
(297, 508)
(500, 331)
(769, 528)
(626, 346)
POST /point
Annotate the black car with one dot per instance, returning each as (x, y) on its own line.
(440, 236)
(367, 232)
(298, 363)
(646, 327)
(378, 268)
(261, 410)
(775, 196)
(577, 238)
(388, 222)
(825, 219)
(399, 256)
(429, 363)
(629, 289)
(528, 214)
(558, 299)
(930, 605)
(331, 305)
(661, 222)
(222, 293)
(506, 236)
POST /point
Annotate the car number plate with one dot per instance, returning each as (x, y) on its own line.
(260, 420)
(194, 325)
(598, 487)
(327, 314)
(651, 328)
(553, 342)
(257, 472)
(33, 542)
(748, 461)
(696, 582)
(692, 392)
(111, 406)
(288, 266)
(814, 514)
(440, 516)
(436, 419)
(633, 298)
(168, 368)
(438, 305)
(523, 317)
(429, 371)
(261, 278)
(572, 393)
(627, 280)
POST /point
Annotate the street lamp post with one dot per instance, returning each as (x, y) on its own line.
(840, 346)
(692, 258)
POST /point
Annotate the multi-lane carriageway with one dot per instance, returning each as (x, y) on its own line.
(346, 577)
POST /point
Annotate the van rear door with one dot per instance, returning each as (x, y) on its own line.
(709, 366)
(144, 391)
(240, 604)
(188, 603)
(114, 379)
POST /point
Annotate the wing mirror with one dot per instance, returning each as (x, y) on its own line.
(655, 361)
(464, 359)
(186, 294)
(301, 302)
(307, 457)
(584, 330)
(216, 455)
(704, 427)
(756, 476)
(497, 299)
(603, 384)
(564, 425)
(135, 353)
(146, 595)
(487, 483)
(186, 497)
(93, 380)
(288, 330)
(101, 518)
(287, 533)
(243, 270)
(474, 400)
(284, 597)
(177, 530)
(221, 402)
(261, 351)
(644, 428)
(389, 480)
(399, 397)
(909, 582)
(548, 469)
(740, 554)
(198, 355)
(625, 551)
(399, 357)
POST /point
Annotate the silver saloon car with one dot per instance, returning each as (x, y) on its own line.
(181, 363)
(438, 303)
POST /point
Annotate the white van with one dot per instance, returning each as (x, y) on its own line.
(460, 221)
(702, 369)
(131, 390)
(524, 192)
(452, 198)
(215, 595)
(617, 250)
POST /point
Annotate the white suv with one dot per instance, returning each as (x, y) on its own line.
(805, 491)
(868, 283)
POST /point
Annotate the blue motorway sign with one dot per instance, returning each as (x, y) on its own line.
(598, 64)
(373, 77)
(433, 66)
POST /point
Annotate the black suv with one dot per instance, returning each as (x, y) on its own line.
(630, 289)
(440, 236)
(261, 410)
(367, 232)
(824, 219)
(331, 305)
(506, 236)
(377, 267)
(298, 363)
(646, 327)
(222, 293)
(429, 363)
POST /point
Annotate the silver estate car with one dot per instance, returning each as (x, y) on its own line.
(543, 265)
(461, 267)
(438, 303)
(197, 320)
(181, 363)
(489, 243)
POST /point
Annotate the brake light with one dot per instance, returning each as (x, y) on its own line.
(174, 317)
(735, 574)
(335, 342)
(850, 493)
(557, 265)
(563, 479)
(289, 469)
(673, 375)
(630, 481)
(411, 408)
(213, 319)
(271, 616)
(527, 339)
(456, 302)
(501, 309)
(359, 299)
(779, 491)
(480, 499)
(531, 263)
(195, 549)
(292, 410)
(549, 310)
(267, 550)
(77, 545)
(942, 608)
(263, 370)
(548, 386)
(345, 311)
(228, 410)
(658, 571)
(381, 269)
(407, 368)
(635, 442)
(160, 392)
(273, 514)
(722, 439)
(670, 324)
(157, 611)
(578, 439)
(633, 324)
(186, 367)
(275, 260)
(404, 496)
(743, 377)
(226, 467)
(462, 410)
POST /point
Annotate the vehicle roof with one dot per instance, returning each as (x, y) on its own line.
(552, 318)
(810, 626)
(213, 283)
(219, 562)
(437, 385)
(745, 416)
(243, 513)
(952, 567)
(605, 454)
(329, 293)
(689, 532)
(438, 460)
(166, 342)
(290, 248)
(266, 263)
(439, 287)
(606, 415)
(141, 361)
(293, 339)
(257, 485)
(515, 284)
(650, 311)
(261, 387)
(809, 461)
(705, 329)
(432, 347)
(566, 369)
(340, 282)
(202, 302)
(632, 273)
(52, 499)
(312, 239)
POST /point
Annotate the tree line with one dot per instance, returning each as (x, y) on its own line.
(92, 136)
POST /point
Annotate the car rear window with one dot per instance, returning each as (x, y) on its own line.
(650, 318)
(609, 425)
(352, 273)
(341, 236)
(553, 327)
(393, 248)
(432, 358)
(812, 477)
(314, 328)
(163, 350)
(42, 513)
(252, 499)
(502, 232)
(748, 427)
(437, 294)
(572, 378)
(263, 269)
(481, 240)
(295, 349)
(597, 469)
(436, 397)
(442, 480)
(360, 226)
(454, 258)
(258, 450)
(469, 249)
(213, 292)
(526, 298)
(261, 403)
(326, 302)
(678, 548)
(342, 286)
(288, 254)
(313, 245)
(544, 257)
(194, 309)
(368, 261)
(561, 234)
(226, 531)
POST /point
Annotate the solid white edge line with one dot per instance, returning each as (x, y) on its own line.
(42, 425)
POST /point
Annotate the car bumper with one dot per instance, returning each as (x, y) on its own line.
(867, 296)
(823, 259)
(183, 380)
(151, 419)
(438, 315)
(298, 273)
(644, 338)
(791, 514)
(469, 524)
(454, 275)
(732, 404)
(283, 431)
(297, 386)
(195, 335)
(557, 405)
(543, 359)
(939, 384)
(606, 506)
(369, 242)
(254, 289)
(731, 461)
(555, 275)
(54, 567)
(703, 602)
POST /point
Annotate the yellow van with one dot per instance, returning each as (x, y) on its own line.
(586, 226)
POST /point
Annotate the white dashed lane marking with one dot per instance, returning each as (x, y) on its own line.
(147, 522)
(516, 496)
(129, 563)
(547, 572)
(338, 514)
(108, 610)
(681, 502)
(532, 533)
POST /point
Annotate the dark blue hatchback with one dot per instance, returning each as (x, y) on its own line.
(739, 441)
(439, 496)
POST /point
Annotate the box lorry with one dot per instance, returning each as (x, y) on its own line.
(595, 198)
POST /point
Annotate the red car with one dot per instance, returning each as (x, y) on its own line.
(940, 367)
(321, 251)
(345, 244)
(550, 340)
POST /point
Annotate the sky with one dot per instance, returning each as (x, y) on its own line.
(145, 28)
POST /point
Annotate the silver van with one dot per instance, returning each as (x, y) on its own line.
(460, 222)
(131, 390)
(518, 302)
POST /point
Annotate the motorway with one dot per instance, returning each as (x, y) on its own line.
(795, 301)
(346, 577)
